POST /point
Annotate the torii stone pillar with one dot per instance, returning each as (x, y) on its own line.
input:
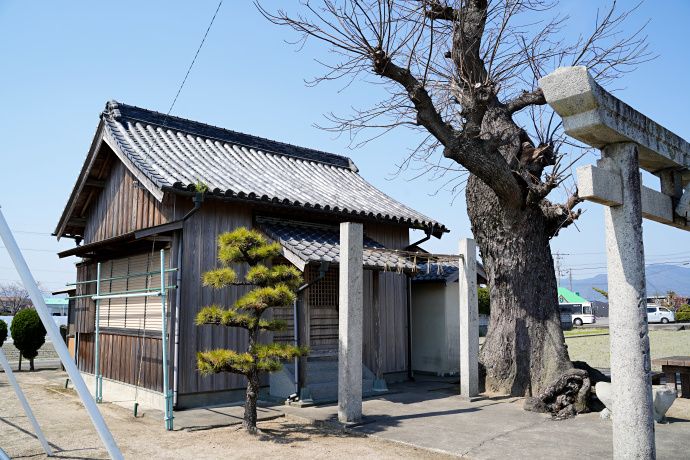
(628, 141)
(469, 320)
(351, 310)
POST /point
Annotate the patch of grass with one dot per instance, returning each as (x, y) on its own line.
(587, 331)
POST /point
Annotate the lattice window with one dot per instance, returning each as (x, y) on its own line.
(325, 292)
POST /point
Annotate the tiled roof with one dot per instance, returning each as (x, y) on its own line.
(318, 243)
(444, 272)
(175, 153)
(436, 272)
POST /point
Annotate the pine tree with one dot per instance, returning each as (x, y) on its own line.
(275, 287)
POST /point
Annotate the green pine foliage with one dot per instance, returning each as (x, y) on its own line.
(219, 278)
(275, 287)
(3, 332)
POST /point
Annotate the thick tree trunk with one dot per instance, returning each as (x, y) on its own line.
(524, 350)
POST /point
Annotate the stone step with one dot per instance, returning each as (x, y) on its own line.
(322, 376)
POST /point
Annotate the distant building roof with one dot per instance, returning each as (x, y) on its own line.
(305, 243)
(171, 154)
(444, 272)
(52, 302)
(565, 296)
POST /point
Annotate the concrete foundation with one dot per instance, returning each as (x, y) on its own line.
(114, 391)
(351, 311)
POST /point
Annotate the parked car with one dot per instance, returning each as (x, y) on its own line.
(656, 314)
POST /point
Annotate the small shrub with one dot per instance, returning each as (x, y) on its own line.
(28, 334)
(3, 332)
(484, 301)
(683, 316)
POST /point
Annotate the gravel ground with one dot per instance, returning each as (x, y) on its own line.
(594, 349)
(71, 435)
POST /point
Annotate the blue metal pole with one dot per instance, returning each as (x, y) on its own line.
(99, 396)
(166, 392)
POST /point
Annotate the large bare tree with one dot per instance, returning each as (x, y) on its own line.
(465, 74)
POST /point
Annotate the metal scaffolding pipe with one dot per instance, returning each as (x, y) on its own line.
(25, 404)
(121, 277)
(54, 334)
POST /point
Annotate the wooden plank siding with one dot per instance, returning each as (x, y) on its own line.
(121, 207)
(393, 297)
(199, 254)
(128, 359)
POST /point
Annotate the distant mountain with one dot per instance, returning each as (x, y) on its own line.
(660, 278)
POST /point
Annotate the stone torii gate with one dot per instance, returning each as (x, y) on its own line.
(628, 141)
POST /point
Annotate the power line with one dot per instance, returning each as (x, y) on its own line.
(32, 249)
(194, 60)
(38, 270)
(165, 120)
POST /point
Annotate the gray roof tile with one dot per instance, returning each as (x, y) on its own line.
(176, 153)
(323, 244)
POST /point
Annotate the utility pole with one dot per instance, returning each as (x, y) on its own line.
(558, 267)
(570, 272)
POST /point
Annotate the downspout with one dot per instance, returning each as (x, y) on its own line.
(409, 329)
(198, 199)
(323, 268)
(176, 358)
(426, 238)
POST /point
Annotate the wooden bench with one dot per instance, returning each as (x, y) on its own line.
(673, 365)
(656, 378)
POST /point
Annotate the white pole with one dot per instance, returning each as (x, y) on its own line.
(54, 334)
(25, 405)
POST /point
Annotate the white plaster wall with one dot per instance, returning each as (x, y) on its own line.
(452, 327)
(434, 340)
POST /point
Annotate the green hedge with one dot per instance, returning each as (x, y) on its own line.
(683, 316)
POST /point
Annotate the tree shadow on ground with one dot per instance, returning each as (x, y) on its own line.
(292, 432)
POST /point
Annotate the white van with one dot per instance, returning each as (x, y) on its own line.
(656, 314)
(582, 313)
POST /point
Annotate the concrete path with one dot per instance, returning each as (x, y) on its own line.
(432, 415)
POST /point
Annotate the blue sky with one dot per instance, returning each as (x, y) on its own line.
(61, 62)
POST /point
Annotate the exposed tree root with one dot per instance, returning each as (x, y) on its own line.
(566, 397)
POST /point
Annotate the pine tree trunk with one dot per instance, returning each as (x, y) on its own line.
(524, 350)
(31, 364)
(19, 365)
(250, 402)
(249, 422)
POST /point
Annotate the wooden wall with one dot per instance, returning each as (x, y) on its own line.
(124, 358)
(85, 308)
(121, 207)
(199, 255)
(393, 296)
